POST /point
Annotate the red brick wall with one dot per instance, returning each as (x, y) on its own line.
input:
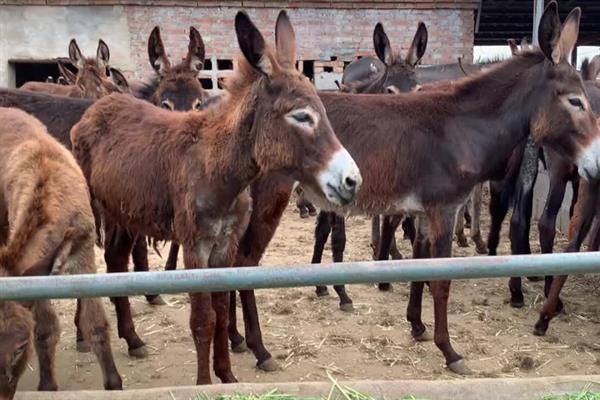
(322, 32)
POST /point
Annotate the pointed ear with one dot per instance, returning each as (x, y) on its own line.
(382, 46)
(156, 52)
(418, 46)
(514, 49)
(524, 43)
(196, 51)
(569, 34)
(549, 32)
(75, 54)
(253, 44)
(103, 54)
(285, 40)
(66, 73)
(119, 80)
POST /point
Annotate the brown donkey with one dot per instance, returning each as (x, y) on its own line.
(44, 194)
(424, 152)
(199, 165)
(18, 330)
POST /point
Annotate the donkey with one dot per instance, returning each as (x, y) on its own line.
(18, 330)
(43, 196)
(199, 165)
(91, 80)
(434, 147)
(397, 75)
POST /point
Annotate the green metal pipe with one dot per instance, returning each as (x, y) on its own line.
(225, 279)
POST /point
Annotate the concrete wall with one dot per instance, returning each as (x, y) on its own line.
(43, 32)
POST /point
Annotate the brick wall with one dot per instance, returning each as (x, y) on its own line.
(325, 30)
(322, 33)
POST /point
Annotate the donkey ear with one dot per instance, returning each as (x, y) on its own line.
(75, 54)
(383, 49)
(66, 73)
(514, 48)
(285, 40)
(590, 69)
(103, 54)
(119, 79)
(156, 52)
(549, 32)
(569, 34)
(196, 51)
(252, 44)
(418, 46)
(525, 43)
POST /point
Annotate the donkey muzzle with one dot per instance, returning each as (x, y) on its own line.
(341, 179)
(588, 162)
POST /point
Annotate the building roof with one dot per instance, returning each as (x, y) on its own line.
(340, 4)
(500, 20)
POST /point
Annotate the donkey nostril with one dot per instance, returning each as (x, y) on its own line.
(350, 182)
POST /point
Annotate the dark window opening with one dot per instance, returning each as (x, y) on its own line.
(224, 64)
(333, 58)
(308, 69)
(206, 83)
(327, 69)
(346, 63)
(39, 71)
(207, 64)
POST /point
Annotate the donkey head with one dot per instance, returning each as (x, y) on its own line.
(399, 75)
(291, 129)
(590, 69)
(91, 75)
(179, 88)
(564, 119)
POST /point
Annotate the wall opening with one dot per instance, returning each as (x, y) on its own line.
(308, 69)
(33, 70)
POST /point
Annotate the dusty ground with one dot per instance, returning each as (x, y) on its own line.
(310, 336)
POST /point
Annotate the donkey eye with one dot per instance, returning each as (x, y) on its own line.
(197, 104)
(303, 117)
(576, 102)
(167, 104)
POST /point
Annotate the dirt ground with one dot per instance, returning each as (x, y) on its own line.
(310, 336)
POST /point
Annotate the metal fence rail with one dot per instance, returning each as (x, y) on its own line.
(224, 279)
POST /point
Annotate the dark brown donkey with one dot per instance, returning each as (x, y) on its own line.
(424, 152)
(397, 75)
(199, 165)
(172, 88)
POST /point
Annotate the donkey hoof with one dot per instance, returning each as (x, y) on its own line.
(385, 287)
(156, 300)
(312, 212)
(139, 352)
(517, 303)
(322, 292)
(303, 213)
(83, 346)
(241, 347)
(423, 337)
(269, 365)
(460, 367)
(48, 386)
(540, 327)
(481, 248)
(114, 383)
(347, 307)
(462, 241)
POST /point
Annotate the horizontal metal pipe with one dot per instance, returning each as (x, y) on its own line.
(224, 279)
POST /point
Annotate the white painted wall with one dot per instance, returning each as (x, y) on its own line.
(42, 32)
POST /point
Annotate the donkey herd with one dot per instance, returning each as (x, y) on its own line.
(103, 161)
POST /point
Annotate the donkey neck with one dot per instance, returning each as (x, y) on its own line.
(494, 110)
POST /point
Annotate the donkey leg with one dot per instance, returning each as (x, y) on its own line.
(547, 222)
(338, 245)
(47, 333)
(408, 226)
(459, 229)
(264, 360)
(499, 204)
(221, 361)
(388, 231)
(421, 249)
(96, 331)
(116, 256)
(322, 230)
(82, 345)
(139, 255)
(442, 222)
(375, 235)
(238, 343)
(171, 264)
(476, 199)
(203, 318)
(550, 306)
